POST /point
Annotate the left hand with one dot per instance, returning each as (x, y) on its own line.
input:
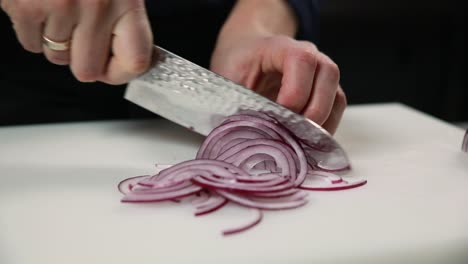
(293, 73)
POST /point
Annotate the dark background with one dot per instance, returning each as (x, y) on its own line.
(402, 51)
(411, 52)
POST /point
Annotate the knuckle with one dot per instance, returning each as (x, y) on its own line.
(63, 4)
(139, 64)
(319, 115)
(86, 75)
(31, 47)
(334, 71)
(279, 38)
(282, 42)
(292, 101)
(304, 55)
(341, 99)
(308, 45)
(331, 68)
(98, 6)
(59, 59)
(136, 4)
(4, 5)
(27, 10)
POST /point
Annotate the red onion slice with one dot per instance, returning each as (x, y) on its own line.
(284, 134)
(326, 181)
(465, 142)
(247, 202)
(257, 162)
(326, 161)
(201, 198)
(210, 183)
(279, 194)
(298, 196)
(282, 156)
(324, 176)
(235, 137)
(160, 167)
(213, 204)
(127, 185)
(258, 218)
(142, 189)
(216, 165)
(217, 135)
(157, 197)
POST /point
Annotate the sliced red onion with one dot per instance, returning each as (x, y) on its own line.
(217, 135)
(127, 185)
(251, 160)
(215, 165)
(143, 189)
(326, 181)
(258, 176)
(275, 185)
(248, 202)
(214, 203)
(157, 197)
(258, 218)
(465, 142)
(282, 159)
(278, 151)
(233, 138)
(160, 167)
(284, 134)
(298, 196)
(326, 161)
(201, 198)
(325, 176)
(278, 194)
(257, 163)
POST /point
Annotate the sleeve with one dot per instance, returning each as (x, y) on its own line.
(307, 12)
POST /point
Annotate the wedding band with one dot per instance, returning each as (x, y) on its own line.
(55, 45)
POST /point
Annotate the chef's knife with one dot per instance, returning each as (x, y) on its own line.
(200, 99)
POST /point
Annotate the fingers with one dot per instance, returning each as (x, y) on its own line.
(132, 48)
(298, 76)
(28, 24)
(91, 42)
(91, 28)
(324, 90)
(336, 113)
(310, 82)
(59, 27)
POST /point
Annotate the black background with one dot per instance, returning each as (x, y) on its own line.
(400, 51)
(388, 51)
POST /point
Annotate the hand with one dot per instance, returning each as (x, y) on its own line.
(255, 48)
(293, 73)
(110, 41)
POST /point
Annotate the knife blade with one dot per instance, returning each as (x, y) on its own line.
(199, 99)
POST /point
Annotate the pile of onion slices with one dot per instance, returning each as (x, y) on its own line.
(251, 160)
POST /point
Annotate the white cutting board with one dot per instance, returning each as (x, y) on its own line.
(59, 202)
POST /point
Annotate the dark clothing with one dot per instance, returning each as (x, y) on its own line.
(34, 90)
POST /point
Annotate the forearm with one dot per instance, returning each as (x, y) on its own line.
(259, 17)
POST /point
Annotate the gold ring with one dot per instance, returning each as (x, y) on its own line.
(55, 45)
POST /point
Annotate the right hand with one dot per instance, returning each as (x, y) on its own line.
(111, 40)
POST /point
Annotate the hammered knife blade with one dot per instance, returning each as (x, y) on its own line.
(200, 99)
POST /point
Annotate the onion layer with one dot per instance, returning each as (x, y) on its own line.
(465, 142)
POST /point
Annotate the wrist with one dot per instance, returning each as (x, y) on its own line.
(258, 18)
